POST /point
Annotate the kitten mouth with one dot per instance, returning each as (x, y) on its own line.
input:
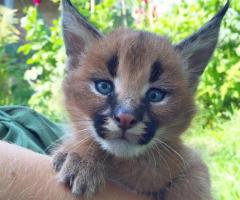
(129, 137)
(141, 137)
(124, 136)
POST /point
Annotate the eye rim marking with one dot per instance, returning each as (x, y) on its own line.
(96, 82)
(156, 71)
(112, 64)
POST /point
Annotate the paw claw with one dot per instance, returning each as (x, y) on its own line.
(83, 177)
(58, 160)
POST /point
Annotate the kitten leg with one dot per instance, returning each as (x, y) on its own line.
(83, 174)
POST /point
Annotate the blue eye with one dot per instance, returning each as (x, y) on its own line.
(155, 95)
(104, 87)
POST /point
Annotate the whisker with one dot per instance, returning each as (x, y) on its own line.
(164, 160)
(172, 150)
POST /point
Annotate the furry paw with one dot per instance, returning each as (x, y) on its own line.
(83, 177)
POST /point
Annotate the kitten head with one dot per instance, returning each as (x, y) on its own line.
(130, 89)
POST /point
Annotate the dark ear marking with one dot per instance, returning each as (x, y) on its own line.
(78, 33)
(156, 71)
(197, 49)
(68, 6)
(112, 65)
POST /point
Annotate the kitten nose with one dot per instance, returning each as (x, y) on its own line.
(125, 120)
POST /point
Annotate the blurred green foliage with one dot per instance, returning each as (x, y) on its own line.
(219, 148)
(44, 48)
(8, 31)
(31, 71)
(43, 54)
(13, 88)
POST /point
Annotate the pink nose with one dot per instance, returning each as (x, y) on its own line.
(125, 120)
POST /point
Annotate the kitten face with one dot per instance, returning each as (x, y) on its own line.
(131, 90)
(127, 73)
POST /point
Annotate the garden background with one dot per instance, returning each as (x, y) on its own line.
(32, 66)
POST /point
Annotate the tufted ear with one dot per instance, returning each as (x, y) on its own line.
(78, 34)
(197, 49)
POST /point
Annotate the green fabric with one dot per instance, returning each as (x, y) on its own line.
(27, 128)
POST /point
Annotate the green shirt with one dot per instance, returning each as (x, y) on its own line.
(27, 128)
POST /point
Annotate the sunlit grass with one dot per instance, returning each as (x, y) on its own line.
(220, 150)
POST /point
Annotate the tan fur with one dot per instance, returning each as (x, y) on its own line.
(164, 161)
(99, 148)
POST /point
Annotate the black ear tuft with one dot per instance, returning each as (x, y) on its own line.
(222, 12)
(197, 49)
